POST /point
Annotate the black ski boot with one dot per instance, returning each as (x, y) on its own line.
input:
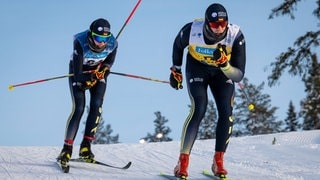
(64, 157)
(85, 150)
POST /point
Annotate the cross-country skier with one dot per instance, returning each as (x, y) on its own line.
(216, 59)
(94, 53)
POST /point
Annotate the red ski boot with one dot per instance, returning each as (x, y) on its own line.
(181, 170)
(217, 165)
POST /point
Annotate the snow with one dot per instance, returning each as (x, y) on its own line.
(294, 155)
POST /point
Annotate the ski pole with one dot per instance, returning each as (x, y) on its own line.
(11, 87)
(130, 15)
(251, 105)
(139, 77)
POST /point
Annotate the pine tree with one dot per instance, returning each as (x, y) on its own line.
(291, 121)
(208, 124)
(301, 60)
(103, 135)
(161, 132)
(311, 104)
(297, 60)
(261, 119)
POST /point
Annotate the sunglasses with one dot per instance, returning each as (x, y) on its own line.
(217, 24)
(100, 38)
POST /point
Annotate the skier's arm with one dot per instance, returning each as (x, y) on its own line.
(181, 41)
(110, 58)
(77, 60)
(104, 70)
(235, 69)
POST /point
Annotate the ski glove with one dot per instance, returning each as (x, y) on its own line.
(102, 73)
(176, 78)
(220, 55)
(87, 84)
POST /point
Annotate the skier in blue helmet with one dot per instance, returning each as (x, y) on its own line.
(216, 59)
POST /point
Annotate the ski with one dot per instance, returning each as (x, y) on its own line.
(92, 161)
(171, 177)
(64, 167)
(209, 174)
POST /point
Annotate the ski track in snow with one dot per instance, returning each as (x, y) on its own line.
(294, 156)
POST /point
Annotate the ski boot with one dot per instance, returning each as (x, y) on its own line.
(85, 152)
(64, 157)
(181, 170)
(217, 165)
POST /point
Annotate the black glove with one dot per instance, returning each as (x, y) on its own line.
(101, 73)
(220, 55)
(176, 78)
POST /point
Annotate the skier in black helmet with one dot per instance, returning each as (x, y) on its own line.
(94, 53)
(216, 59)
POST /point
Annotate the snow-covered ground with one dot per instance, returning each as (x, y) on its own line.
(295, 155)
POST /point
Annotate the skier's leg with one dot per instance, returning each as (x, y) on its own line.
(93, 120)
(72, 126)
(223, 91)
(198, 97)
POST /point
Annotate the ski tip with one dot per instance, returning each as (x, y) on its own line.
(128, 165)
(205, 171)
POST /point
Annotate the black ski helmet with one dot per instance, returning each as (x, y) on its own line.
(215, 13)
(100, 26)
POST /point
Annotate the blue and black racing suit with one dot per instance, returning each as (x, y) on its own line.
(83, 60)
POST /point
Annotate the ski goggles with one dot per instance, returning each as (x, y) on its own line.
(100, 38)
(217, 24)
